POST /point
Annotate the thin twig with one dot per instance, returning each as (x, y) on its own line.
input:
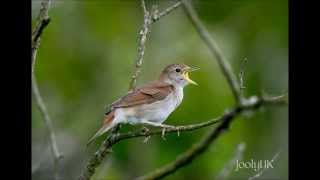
(241, 76)
(149, 18)
(42, 22)
(44, 112)
(200, 147)
(214, 49)
(229, 166)
(157, 16)
(143, 34)
(264, 169)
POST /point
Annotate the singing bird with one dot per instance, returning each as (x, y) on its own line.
(151, 103)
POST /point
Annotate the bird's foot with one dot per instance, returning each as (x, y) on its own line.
(144, 130)
(168, 127)
(146, 139)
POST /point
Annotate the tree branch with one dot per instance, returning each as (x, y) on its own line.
(165, 12)
(42, 22)
(143, 34)
(177, 129)
(114, 138)
(214, 49)
(149, 18)
(199, 148)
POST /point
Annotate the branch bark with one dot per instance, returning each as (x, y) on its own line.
(214, 49)
(142, 44)
(199, 148)
(42, 22)
(149, 18)
(165, 12)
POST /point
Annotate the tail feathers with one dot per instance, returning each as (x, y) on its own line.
(99, 133)
(107, 125)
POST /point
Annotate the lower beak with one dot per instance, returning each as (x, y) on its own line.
(186, 75)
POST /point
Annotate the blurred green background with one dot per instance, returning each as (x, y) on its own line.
(86, 59)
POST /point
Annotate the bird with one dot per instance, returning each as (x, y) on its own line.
(151, 103)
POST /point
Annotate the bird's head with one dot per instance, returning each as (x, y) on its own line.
(177, 75)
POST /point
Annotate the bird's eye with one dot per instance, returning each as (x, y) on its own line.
(178, 70)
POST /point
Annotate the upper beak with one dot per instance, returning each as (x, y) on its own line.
(190, 69)
(186, 75)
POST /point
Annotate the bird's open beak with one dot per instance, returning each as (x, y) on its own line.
(186, 75)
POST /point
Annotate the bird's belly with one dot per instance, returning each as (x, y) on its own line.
(154, 112)
(158, 111)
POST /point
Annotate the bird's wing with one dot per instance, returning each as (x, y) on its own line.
(147, 94)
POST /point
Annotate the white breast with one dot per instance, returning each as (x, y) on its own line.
(156, 112)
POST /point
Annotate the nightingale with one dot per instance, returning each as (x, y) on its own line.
(151, 103)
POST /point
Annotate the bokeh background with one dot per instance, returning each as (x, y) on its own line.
(85, 62)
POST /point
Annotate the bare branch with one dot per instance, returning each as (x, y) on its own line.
(199, 148)
(149, 18)
(44, 112)
(241, 76)
(143, 34)
(177, 129)
(282, 99)
(214, 49)
(114, 138)
(42, 22)
(157, 16)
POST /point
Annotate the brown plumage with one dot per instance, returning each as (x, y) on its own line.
(146, 94)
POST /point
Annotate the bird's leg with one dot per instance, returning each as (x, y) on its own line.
(163, 133)
(145, 130)
(164, 126)
(146, 139)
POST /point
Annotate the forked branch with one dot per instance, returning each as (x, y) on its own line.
(149, 17)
